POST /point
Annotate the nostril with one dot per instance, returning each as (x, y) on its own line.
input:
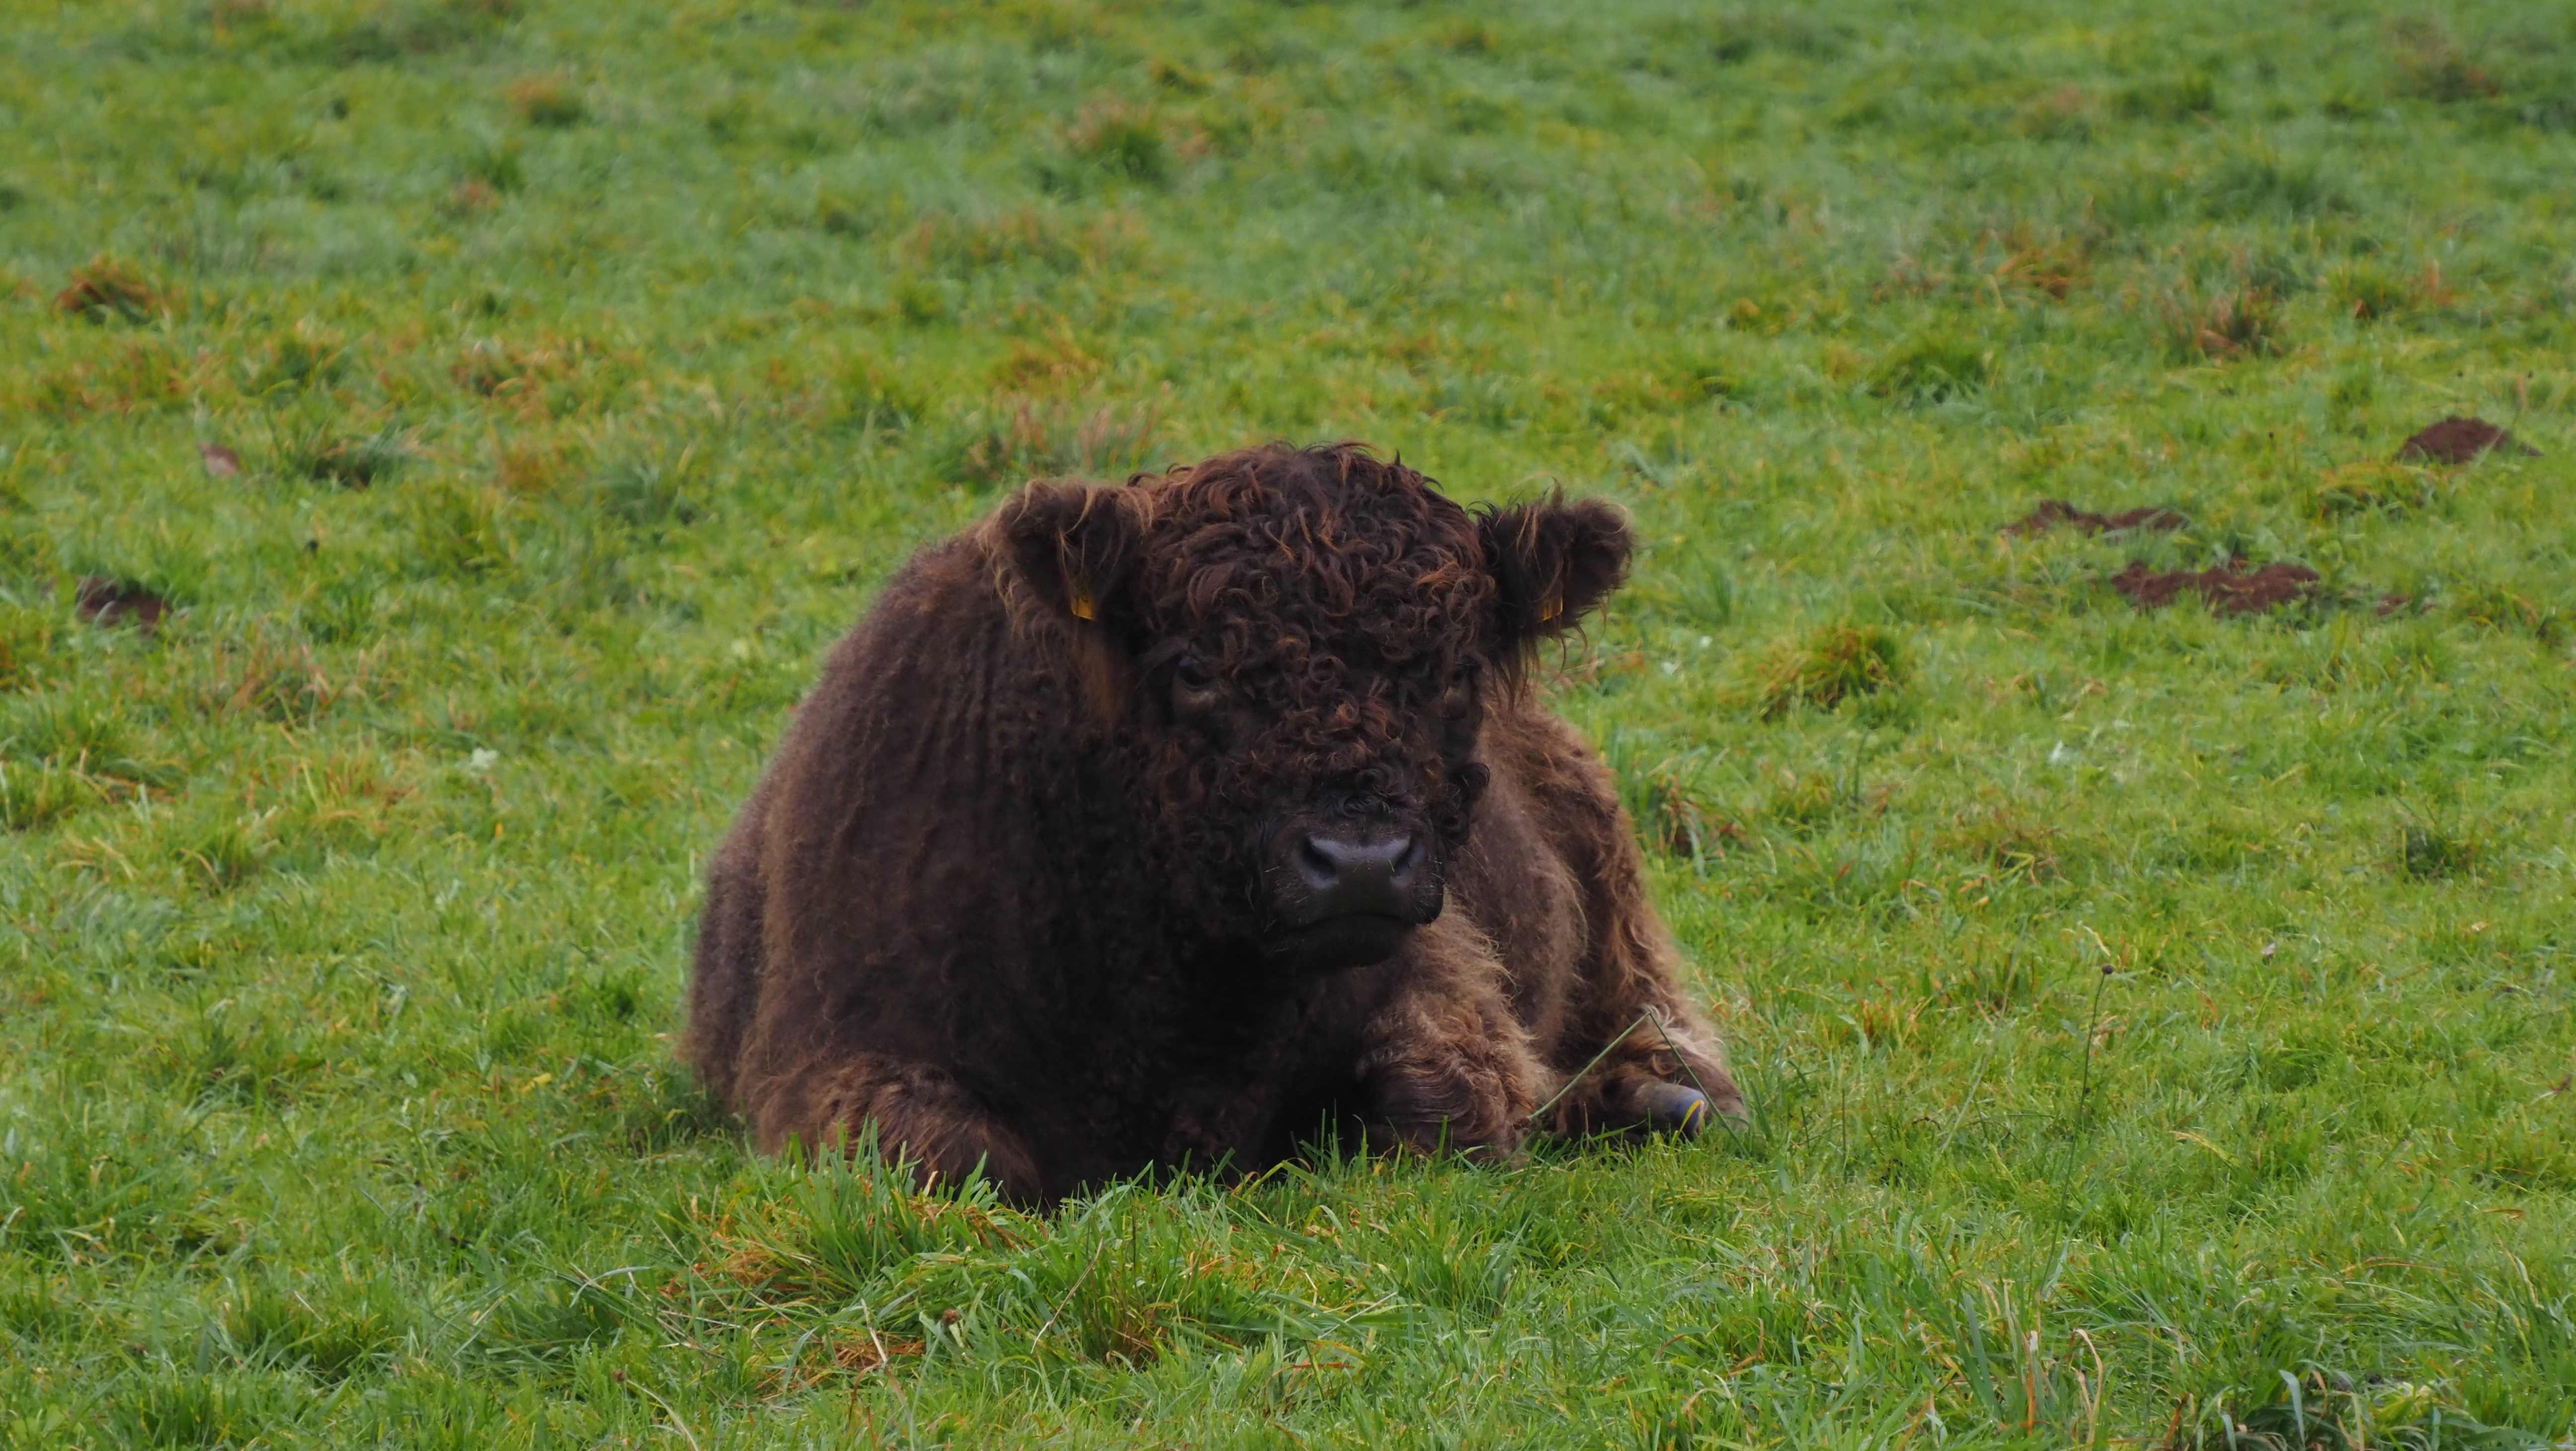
(1317, 862)
(1408, 856)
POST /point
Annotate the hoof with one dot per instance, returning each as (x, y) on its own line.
(1672, 1108)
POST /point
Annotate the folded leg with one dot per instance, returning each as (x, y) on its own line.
(1448, 1064)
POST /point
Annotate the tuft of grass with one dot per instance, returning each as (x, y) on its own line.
(328, 1329)
(28, 641)
(76, 729)
(322, 455)
(1824, 668)
(2186, 96)
(2432, 848)
(457, 528)
(1676, 822)
(549, 102)
(105, 289)
(871, 397)
(469, 199)
(1932, 369)
(1018, 438)
(530, 466)
(2064, 114)
(1123, 140)
(2238, 322)
(169, 1406)
(1020, 236)
(35, 794)
(2371, 488)
(2431, 65)
(305, 356)
(2261, 183)
(272, 677)
(1670, 803)
(356, 463)
(2012, 845)
(2349, 397)
(1804, 800)
(648, 493)
(1466, 37)
(2427, 854)
(497, 167)
(2499, 606)
(2369, 292)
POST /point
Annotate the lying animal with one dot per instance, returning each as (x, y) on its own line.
(1160, 824)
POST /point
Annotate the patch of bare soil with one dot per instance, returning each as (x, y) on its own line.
(2233, 589)
(2054, 513)
(2458, 440)
(104, 601)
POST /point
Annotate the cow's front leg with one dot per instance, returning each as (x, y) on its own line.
(1448, 1065)
(1221, 1129)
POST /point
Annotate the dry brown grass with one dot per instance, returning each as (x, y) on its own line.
(105, 289)
(2239, 322)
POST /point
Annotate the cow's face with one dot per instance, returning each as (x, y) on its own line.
(1292, 650)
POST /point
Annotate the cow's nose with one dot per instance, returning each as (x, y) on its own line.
(1379, 875)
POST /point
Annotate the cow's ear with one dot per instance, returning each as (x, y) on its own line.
(1071, 547)
(1553, 562)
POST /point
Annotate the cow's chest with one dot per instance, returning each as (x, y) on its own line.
(1200, 1078)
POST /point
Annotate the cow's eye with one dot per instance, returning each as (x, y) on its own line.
(1190, 675)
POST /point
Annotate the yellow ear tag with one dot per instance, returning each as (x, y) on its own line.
(1082, 606)
(1554, 607)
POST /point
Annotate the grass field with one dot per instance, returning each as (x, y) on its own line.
(2159, 1020)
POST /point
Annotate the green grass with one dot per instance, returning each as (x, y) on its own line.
(2158, 1023)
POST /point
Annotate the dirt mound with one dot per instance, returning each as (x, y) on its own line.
(104, 601)
(2458, 440)
(2052, 513)
(2234, 589)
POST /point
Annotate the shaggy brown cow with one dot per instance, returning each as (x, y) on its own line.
(1118, 834)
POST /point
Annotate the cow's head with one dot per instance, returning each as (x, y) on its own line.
(1290, 652)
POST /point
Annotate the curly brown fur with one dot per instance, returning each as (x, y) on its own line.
(1024, 884)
